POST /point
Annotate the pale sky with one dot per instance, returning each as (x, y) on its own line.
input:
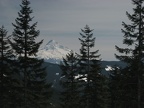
(62, 21)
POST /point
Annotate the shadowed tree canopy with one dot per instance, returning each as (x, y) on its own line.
(133, 56)
(35, 92)
(7, 73)
(93, 92)
(69, 82)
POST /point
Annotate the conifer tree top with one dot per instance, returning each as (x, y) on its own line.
(25, 33)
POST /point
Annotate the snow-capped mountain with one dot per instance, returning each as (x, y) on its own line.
(53, 52)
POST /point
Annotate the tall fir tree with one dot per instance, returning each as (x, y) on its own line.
(93, 90)
(35, 90)
(7, 79)
(133, 56)
(69, 82)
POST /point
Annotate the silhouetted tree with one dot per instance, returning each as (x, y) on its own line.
(115, 84)
(69, 82)
(35, 89)
(7, 79)
(133, 56)
(94, 83)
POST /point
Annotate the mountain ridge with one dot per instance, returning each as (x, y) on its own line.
(53, 52)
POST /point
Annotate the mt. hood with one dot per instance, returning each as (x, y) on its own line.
(53, 52)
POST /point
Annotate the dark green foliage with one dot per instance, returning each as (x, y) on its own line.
(7, 79)
(115, 87)
(34, 91)
(3, 71)
(94, 86)
(133, 56)
(69, 82)
(25, 34)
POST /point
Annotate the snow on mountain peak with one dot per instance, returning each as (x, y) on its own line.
(53, 52)
(53, 45)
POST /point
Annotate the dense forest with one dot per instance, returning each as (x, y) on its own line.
(23, 77)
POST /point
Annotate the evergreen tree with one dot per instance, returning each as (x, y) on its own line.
(35, 90)
(93, 90)
(3, 68)
(133, 56)
(70, 93)
(7, 79)
(115, 85)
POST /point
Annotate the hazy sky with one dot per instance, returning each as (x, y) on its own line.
(62, 20)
